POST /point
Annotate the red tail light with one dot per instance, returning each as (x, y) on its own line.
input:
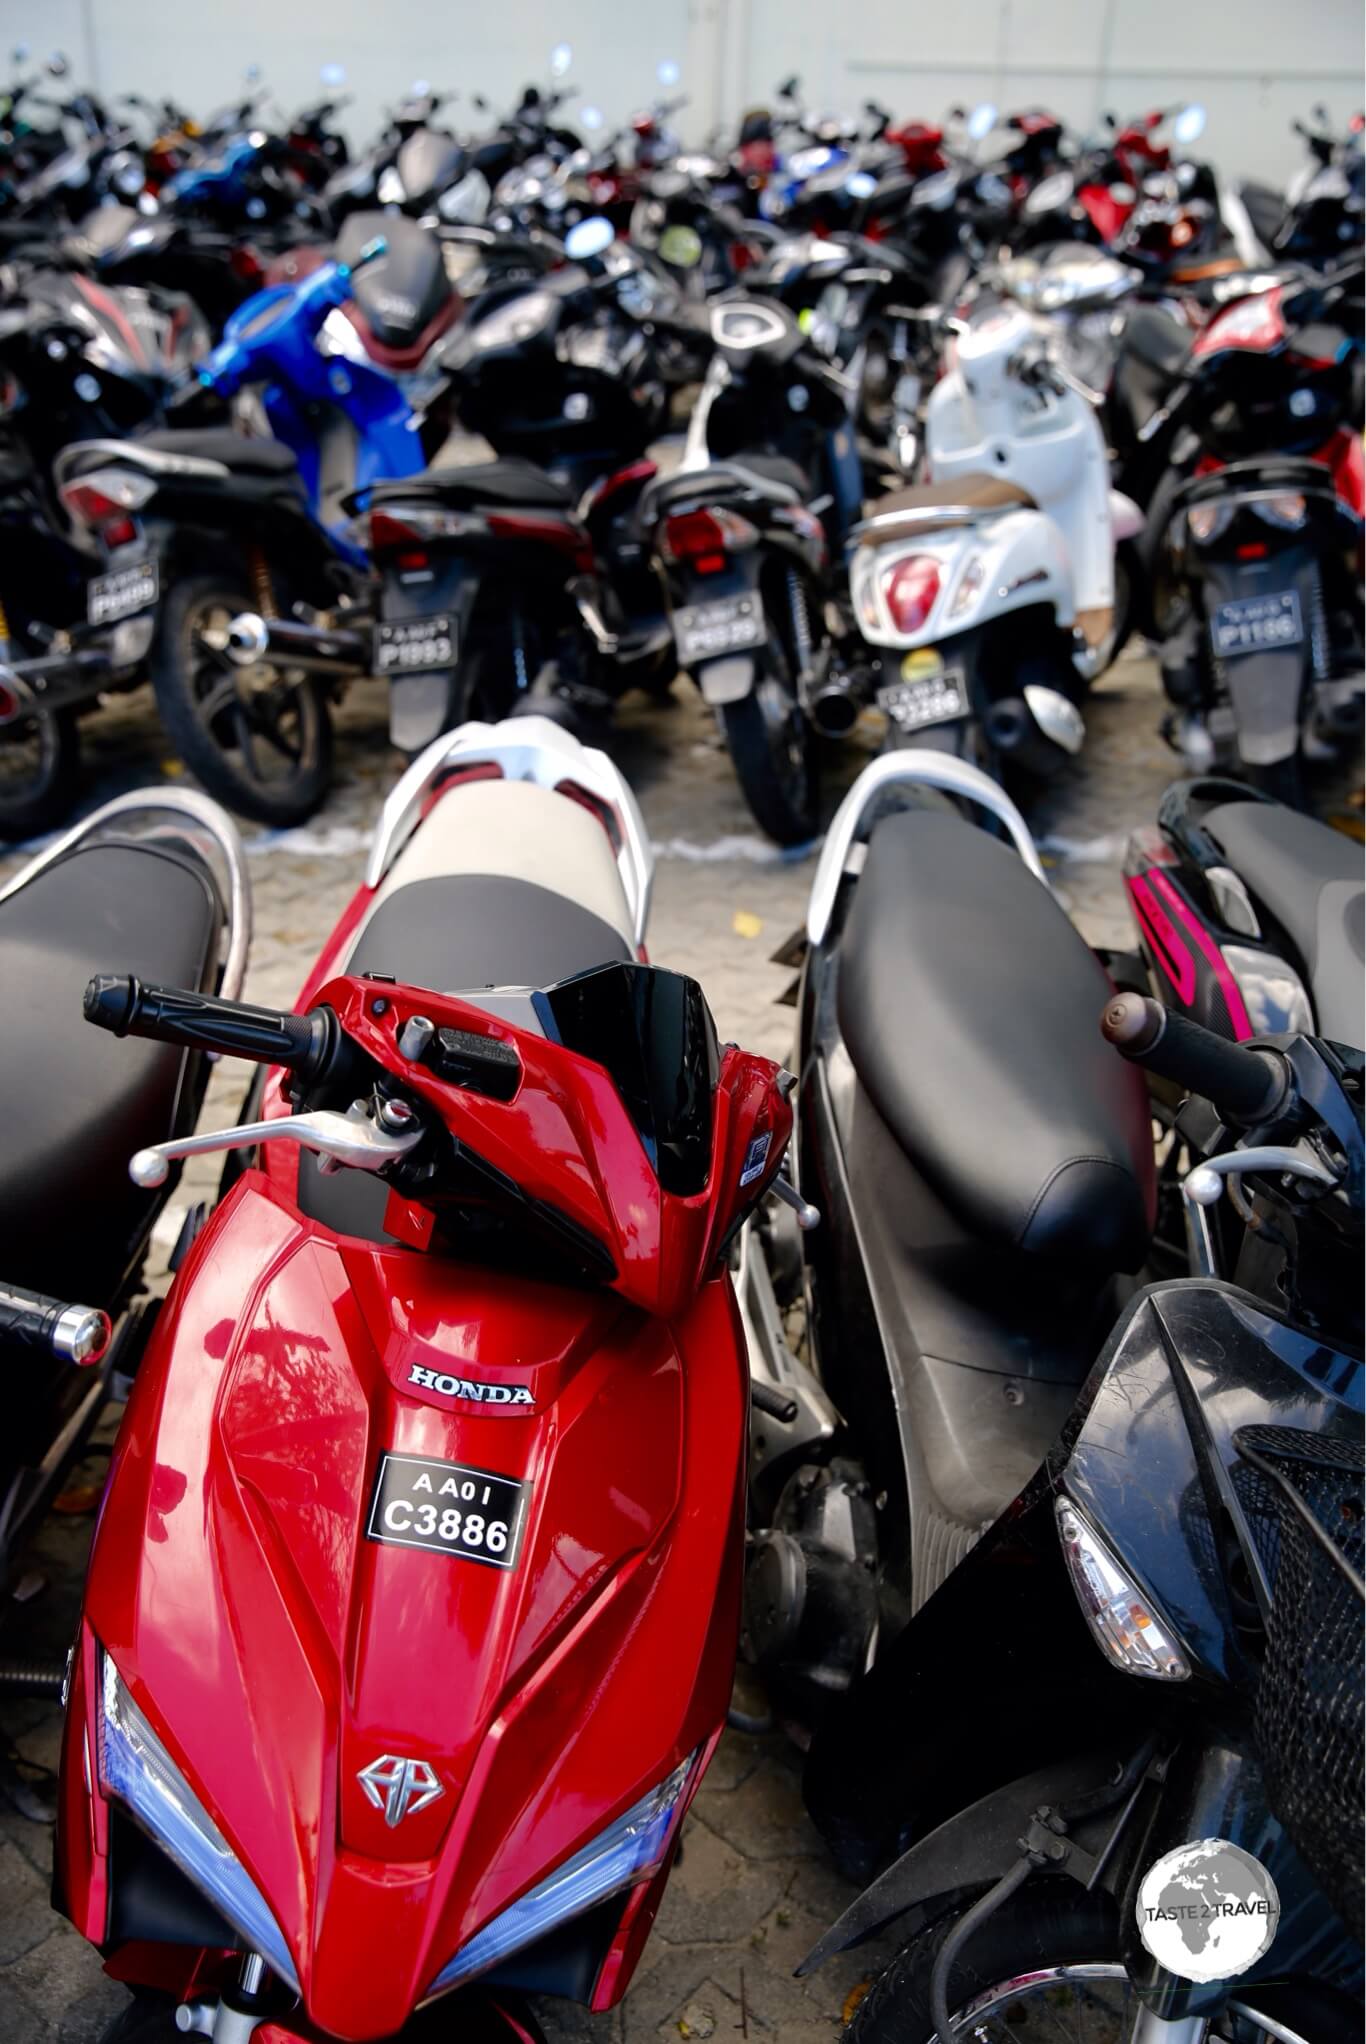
(704, 538)
(910, 589)
(105, 502)
(388, 533)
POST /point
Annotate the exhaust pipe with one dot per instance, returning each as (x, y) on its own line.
(1036, 731)
(832, 706)
(252, 638)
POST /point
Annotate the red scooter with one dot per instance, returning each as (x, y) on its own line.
(412, 1610)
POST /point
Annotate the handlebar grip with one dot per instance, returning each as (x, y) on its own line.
(1250, 1086)
(125, 1007)
(75, 1334)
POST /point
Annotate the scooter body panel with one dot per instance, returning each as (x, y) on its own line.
(286, 1628)
(1011, 561)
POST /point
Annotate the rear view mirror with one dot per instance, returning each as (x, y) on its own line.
(982, 120)
(1189, 124)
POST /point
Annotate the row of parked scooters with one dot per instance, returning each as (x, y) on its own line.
(962, 406)
(1015, 1432)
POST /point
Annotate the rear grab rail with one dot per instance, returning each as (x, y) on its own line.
(907, 769)
(524, 749)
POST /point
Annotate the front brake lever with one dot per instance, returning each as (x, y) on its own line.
(352, 1139)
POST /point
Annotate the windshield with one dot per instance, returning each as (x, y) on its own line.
(653, 1033)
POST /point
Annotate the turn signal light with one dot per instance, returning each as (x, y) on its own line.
(910, 589)
(1125, 1622)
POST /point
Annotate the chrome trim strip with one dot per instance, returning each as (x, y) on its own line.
(134, 455)
(211, 821)
(527, 749)
(950, 515)
(910, 769)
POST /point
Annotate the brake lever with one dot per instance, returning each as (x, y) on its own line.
(352, 1139)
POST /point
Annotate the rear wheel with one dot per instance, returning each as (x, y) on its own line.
(39, 757)
(259, 738)
(774, 749)
(1047, 1962)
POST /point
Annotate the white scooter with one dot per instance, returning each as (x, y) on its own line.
(986, 597)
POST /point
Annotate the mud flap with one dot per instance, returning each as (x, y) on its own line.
(1266, 690)
(727, 681)
(419, 709)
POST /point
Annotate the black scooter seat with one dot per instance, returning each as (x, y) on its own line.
(511, 482)
(971, 1008)
(74, 1102)
(1310, 878)
(236, 451)
(769, 476)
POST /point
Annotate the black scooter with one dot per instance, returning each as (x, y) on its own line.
(751, 532)
(159, 873)
(1121, 1528)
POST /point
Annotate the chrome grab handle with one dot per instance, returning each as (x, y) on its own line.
(341, 1139)
(193, 813)
(913, 768)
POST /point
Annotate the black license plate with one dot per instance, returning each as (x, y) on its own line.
(1257, 624)
(912, 705)
(122, 593)
(729, 624)
(416, 645)
(447, 1508)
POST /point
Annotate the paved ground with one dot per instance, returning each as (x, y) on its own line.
(753, 1889)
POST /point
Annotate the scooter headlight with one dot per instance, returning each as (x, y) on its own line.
(135, 1767)
(1127, 1625)
(1286, 509)
(626, 1852)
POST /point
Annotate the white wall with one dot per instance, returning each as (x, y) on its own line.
(1254, 63)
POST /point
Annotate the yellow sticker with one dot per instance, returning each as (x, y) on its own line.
(745, 923)
(923, 664)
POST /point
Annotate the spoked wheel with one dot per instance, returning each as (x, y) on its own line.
(1045, 1967)
(39, 755)
(774, 749)
(259, 738)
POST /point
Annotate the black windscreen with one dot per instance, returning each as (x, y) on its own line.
(653, 1032)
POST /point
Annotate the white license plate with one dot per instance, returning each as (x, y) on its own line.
(1257, 624)
(730, 624)
(126, 591)
(416, 645)
(912, 705)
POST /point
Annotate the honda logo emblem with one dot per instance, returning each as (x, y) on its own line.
(398, 1787)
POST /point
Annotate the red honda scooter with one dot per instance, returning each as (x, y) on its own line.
(412, 1610)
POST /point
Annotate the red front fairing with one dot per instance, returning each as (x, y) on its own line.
(278, 1649)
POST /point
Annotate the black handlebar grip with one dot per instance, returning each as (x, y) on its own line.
(77, 1334)
(1249, 1086)
(126, 1007)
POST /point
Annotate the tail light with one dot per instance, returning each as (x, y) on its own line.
(909, 590)
(106, 502)
(410, 532)
(703, 539)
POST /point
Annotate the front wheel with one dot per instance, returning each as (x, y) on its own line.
(774, 750)
(1048, 1962)
(39, 757)
(259, 738)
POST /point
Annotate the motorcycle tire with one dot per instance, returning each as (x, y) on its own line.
(1049, 1926)
(38, 798)
(214, 713)
(775, 752)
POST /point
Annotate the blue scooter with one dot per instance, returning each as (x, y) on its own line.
(201, 524)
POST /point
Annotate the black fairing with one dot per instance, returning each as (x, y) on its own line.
(400, 292)
(1150, 1455)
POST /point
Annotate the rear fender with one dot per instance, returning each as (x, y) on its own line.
(985, 570)
(1266, 688)
(423, 702)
